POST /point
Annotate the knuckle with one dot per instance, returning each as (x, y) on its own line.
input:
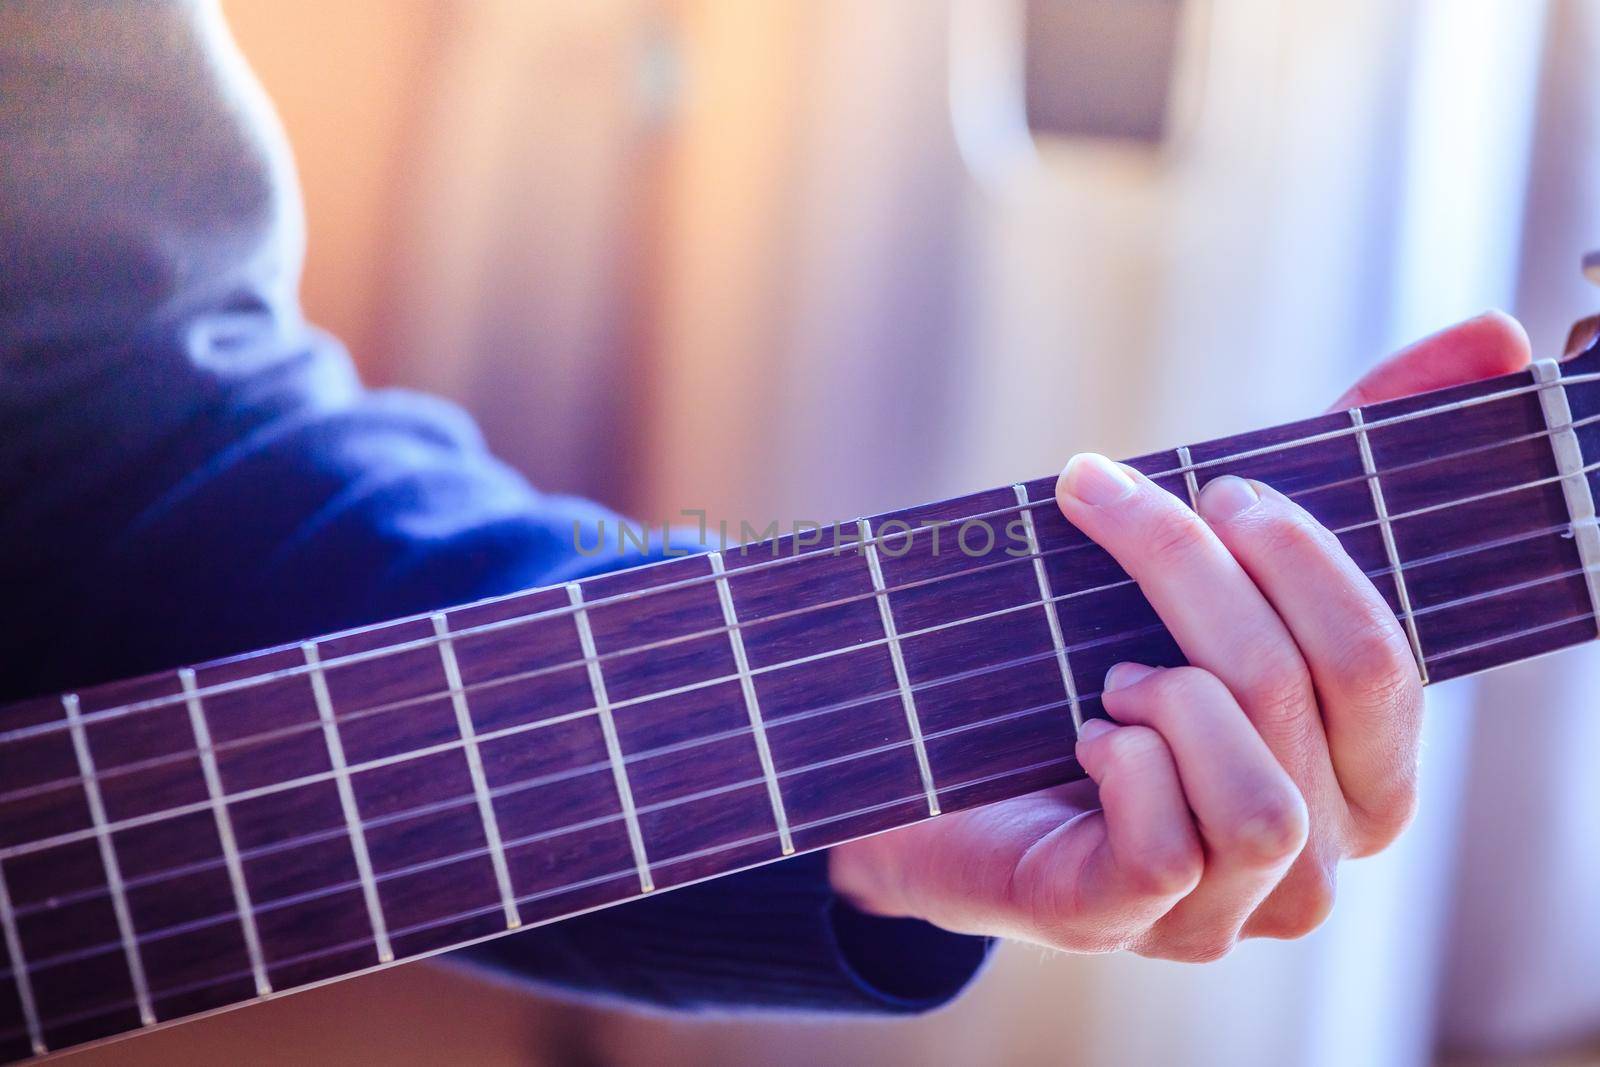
(1378, 669)
(1381, 684)
(1203, 949)
(1286, 532)
(1188, 941)
(1136, 748)
(1166, 874)
(1385, 814)
(1272, 833)
(1278, 692)
(1175, 691)
(1182, 687)
(1174, 535)
(1301, 904)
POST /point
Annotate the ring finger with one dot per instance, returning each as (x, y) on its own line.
(1252, 819)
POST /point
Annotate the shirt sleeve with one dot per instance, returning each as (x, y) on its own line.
(188, 470)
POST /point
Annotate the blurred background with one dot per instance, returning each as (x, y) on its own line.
(823, 257)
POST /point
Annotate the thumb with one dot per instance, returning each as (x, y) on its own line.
(1493, 343)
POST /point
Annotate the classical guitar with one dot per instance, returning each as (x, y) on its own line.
(214, 835)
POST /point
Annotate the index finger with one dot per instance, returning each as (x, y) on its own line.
(1213, 609)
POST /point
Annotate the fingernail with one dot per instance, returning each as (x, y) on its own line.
(1122, 675)
(1226, 497)
(1095, 480)
(1093, 728)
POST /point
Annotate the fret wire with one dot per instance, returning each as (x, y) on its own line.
(108, 858)
(251, 739)
(1379, 424)
(670, 803)
(747, 685)
(436, 863)
(411, 701)
(1047, 599)
(500, 624)
(945, 679)
(99, 1010)
(729, 846)
(347, 801)
(608, 729)
(897, 657)
(435, 807)
(225, 836)
(1520, 634)
(19, 969)
(1565, 478)
(348, 717)
(1535, 629)
(380, 653)
(1386, 531)
(1420, 413)
(524, 675)
(1569, 461)
(667, 804)
(474, 758)
(1190, 482)
(845, 705)
(586, 824)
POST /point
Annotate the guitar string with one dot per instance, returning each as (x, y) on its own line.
(150, 937)
(307, 896)
(783, 720)
(164, 993)
(510, 788)
(1534, 583)
(479, 687)
(240, 976)
(628, 873)
(536, 724)
(360, 714)
(700, 853)
(691, 743)
(270, 676)
(352, 716)
(1504, 591)
(60, 783)
(700, 580)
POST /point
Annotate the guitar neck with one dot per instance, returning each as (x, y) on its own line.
(202, 838)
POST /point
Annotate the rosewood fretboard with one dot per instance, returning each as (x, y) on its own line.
(204, 837)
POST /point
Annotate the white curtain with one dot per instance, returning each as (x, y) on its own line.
(866, 286)
(1523, 970)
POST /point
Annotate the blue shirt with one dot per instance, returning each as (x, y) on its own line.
(189, 470)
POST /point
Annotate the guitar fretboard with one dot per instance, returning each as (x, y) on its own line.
(204, 837)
